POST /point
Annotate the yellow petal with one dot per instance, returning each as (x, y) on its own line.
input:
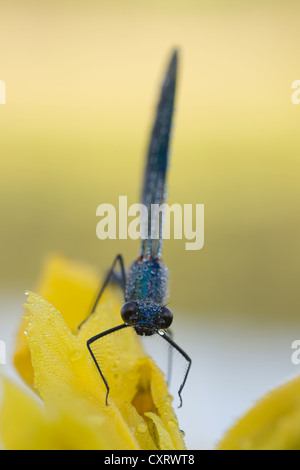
(165, 441)
(26, 426)
(273, 424)
(153, 402)
(21, 419)
(129, 370)
(163, 403)
(22, 356)
(71, 287)
(64, 373)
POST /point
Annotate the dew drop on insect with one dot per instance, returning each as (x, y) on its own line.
(161, 332)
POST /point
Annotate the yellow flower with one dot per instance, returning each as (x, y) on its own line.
(273, 424)
(52, 357)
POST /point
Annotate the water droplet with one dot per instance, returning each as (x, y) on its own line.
(75, 355)
(161, 332)
(172, 423)
(142, 427)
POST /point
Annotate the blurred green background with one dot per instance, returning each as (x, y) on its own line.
(82, 81)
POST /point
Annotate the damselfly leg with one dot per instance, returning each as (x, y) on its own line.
(111, 276)
(185, 356)
(93, 340)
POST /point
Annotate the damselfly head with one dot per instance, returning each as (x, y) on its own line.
(146, 317)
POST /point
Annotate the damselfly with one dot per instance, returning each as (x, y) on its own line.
(145, 283)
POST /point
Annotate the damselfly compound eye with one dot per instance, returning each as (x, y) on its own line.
(128, 311)
(167, 317)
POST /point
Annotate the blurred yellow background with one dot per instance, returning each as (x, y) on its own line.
(82, 83)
